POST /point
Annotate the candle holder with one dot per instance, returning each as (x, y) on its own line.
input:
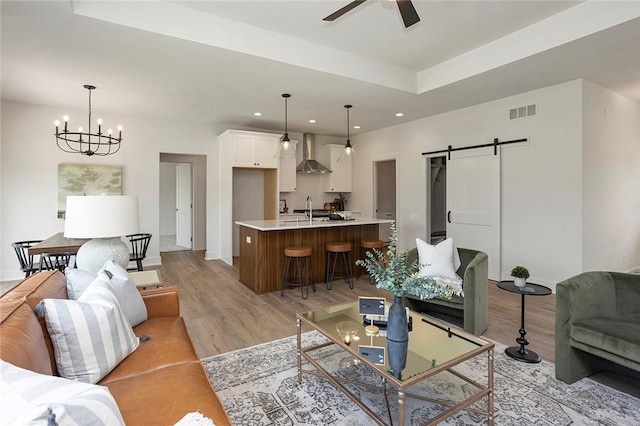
(348, 331)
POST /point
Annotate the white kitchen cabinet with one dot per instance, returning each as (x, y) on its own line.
(287, 173)
(254, 150)
(339, 180)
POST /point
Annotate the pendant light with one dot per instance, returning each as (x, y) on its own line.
(349, 153)
(286, 149)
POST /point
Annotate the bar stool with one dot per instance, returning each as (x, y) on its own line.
(365, 246)
(333, 250)
(289, 279)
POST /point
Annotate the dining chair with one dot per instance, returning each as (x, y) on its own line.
(26, 260)
(139, 245)
(59, 261)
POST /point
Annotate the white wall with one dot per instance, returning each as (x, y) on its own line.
(29, 170)
(168, 198)
(541, 179)
(611, 180)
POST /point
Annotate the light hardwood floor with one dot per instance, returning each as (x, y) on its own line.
(223, 315)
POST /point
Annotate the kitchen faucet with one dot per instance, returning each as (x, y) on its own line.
(309, 206)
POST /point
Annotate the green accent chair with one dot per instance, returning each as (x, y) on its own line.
(597, 324)
(473, 308)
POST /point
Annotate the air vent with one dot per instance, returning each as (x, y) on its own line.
(522, 112)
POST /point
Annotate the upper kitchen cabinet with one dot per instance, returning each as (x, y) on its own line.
(339, 180)
(254, 150)
(287, 173)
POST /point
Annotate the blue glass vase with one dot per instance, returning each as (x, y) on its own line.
(397, 337)
(397, 327)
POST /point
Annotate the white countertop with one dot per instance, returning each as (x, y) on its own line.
(284, 224)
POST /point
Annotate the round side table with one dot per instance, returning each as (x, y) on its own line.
(519, 352)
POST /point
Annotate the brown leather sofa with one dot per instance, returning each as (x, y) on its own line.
(157, 384)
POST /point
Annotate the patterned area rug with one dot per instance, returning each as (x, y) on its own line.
(259, 386)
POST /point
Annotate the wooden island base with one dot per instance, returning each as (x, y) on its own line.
(262, 252)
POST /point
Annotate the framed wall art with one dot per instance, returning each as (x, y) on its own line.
(86, 179)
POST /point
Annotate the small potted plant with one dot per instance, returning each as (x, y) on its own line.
(520, 275)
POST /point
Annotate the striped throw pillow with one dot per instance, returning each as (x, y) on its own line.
(91, 335)
(33, 398)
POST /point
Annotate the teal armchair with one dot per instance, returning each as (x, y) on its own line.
(473, 308)
(597, 324)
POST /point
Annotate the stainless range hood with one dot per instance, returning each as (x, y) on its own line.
(308, 163)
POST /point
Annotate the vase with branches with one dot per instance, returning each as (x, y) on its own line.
(392, 271)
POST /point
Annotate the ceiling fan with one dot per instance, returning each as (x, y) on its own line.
(407, 11)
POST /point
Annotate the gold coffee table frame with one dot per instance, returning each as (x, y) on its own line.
(429, 338)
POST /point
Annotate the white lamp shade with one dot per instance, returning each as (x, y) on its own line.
(101, 216)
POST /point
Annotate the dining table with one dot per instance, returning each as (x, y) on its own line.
(57, 243)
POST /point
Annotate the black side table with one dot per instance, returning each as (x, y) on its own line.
(519, 352)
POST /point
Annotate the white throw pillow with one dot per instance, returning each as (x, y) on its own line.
(78, 280)
(438, 260)
(32, 398)
(91, 335)
(128, 295)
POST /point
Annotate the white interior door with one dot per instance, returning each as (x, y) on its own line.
(183, 205)
(473, 203)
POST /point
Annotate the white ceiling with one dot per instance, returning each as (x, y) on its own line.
(220, 61)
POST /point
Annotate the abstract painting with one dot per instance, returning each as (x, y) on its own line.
(86, 179)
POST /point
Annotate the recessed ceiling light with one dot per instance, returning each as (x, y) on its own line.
(356, 127)
(399, 114)
(312, 121)
(257, 114)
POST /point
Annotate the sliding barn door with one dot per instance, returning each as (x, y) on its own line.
(473, 203)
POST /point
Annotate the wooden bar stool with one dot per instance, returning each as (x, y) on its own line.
(297, 278)
(333, 250)
(365, 246)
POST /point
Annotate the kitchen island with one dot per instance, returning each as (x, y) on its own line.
(262, 244)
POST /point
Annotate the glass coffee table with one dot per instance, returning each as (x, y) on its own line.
(433, 348)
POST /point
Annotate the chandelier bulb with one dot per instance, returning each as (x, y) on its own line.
(57, 123)
(119, 128)
(65, 118)
(80, 129)
(99, 121)
(110, 131)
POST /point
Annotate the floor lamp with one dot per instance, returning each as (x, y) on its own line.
(104, 219)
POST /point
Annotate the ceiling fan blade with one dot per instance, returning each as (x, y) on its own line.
(408, 12)
(335, 15)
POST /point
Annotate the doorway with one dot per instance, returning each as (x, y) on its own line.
(385, 195)
(437, 199)
(182, 198)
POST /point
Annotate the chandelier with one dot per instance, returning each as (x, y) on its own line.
(87, 143)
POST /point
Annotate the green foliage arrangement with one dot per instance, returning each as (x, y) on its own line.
(392, 272)
(520, 272)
